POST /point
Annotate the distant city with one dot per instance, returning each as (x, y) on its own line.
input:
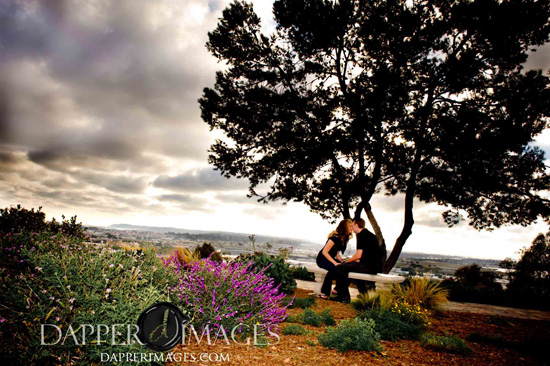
(167, 239)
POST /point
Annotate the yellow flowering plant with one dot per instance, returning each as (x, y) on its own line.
(410, 313)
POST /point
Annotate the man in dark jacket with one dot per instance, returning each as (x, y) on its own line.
(367, 259)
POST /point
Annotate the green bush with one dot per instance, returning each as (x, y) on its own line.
(356, 334)
(530, 281)
(18, 219)
(390, 326)
(206, 250)
(303, 302)
(472, 284)
(446, 343)
(312, 318)
(301, 273)
(278, 269)
(413, 314)
(61, 281)
(294, 329)
(326, 317)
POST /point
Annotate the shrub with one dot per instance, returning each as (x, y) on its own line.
(446, 343)
(420, 291)
(472, 284)
(326, 317)
(275, 268)
(303, 302)
(413, 314)
(530, 280)
(59, 280)
(18, 219)
(366, 301)
(294, 329)
(312, 318)
(227, 294)
(207, 250)
(356, 334)
(301, 273)
(390, 326)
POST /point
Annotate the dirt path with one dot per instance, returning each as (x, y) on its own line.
(466, 307)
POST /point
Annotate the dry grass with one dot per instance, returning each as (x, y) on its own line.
(421, 291)
(185, 255)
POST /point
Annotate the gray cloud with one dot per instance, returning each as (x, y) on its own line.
(103, 91)
(240, 198)
(539, 59)
(206, 179)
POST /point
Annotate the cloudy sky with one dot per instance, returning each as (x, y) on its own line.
(99, 118)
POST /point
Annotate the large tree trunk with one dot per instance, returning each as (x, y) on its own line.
(372, 220)
(411, 185)
(402, 239)
(409, 220)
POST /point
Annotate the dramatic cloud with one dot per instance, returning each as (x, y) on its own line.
(206, 179)
(99, 116)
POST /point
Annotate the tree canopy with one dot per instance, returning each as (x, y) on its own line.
(346, 99)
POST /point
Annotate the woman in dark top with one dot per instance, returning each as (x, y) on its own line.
(330, 256)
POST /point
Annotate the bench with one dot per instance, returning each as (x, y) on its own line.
(381, 280)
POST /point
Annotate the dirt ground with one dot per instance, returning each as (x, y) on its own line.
(306, 350)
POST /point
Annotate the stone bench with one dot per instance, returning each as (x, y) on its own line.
(381, 280)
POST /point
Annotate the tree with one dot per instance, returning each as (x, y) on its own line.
(346, 99)
(531, 276)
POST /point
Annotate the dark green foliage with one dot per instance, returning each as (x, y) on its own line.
(530, 279)
(301, 273)
(294, 329)
(303, 302)
(60, 280)
(312, 318)
(436, 108)
(69, 228)
(471, 284)
(276, 268)
(326, 317)
(18, 219)
(309, 342)
(446, 343)
(206, 250)
(390, 327)
(356, 334)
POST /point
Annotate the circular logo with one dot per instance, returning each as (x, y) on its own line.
(161, 326)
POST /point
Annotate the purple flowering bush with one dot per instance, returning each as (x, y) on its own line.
(233, 294)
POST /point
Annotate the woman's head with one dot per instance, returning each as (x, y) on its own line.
(343, 230)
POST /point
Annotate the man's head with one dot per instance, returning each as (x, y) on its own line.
(358, 225)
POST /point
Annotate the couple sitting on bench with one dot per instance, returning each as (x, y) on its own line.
(367, 259)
